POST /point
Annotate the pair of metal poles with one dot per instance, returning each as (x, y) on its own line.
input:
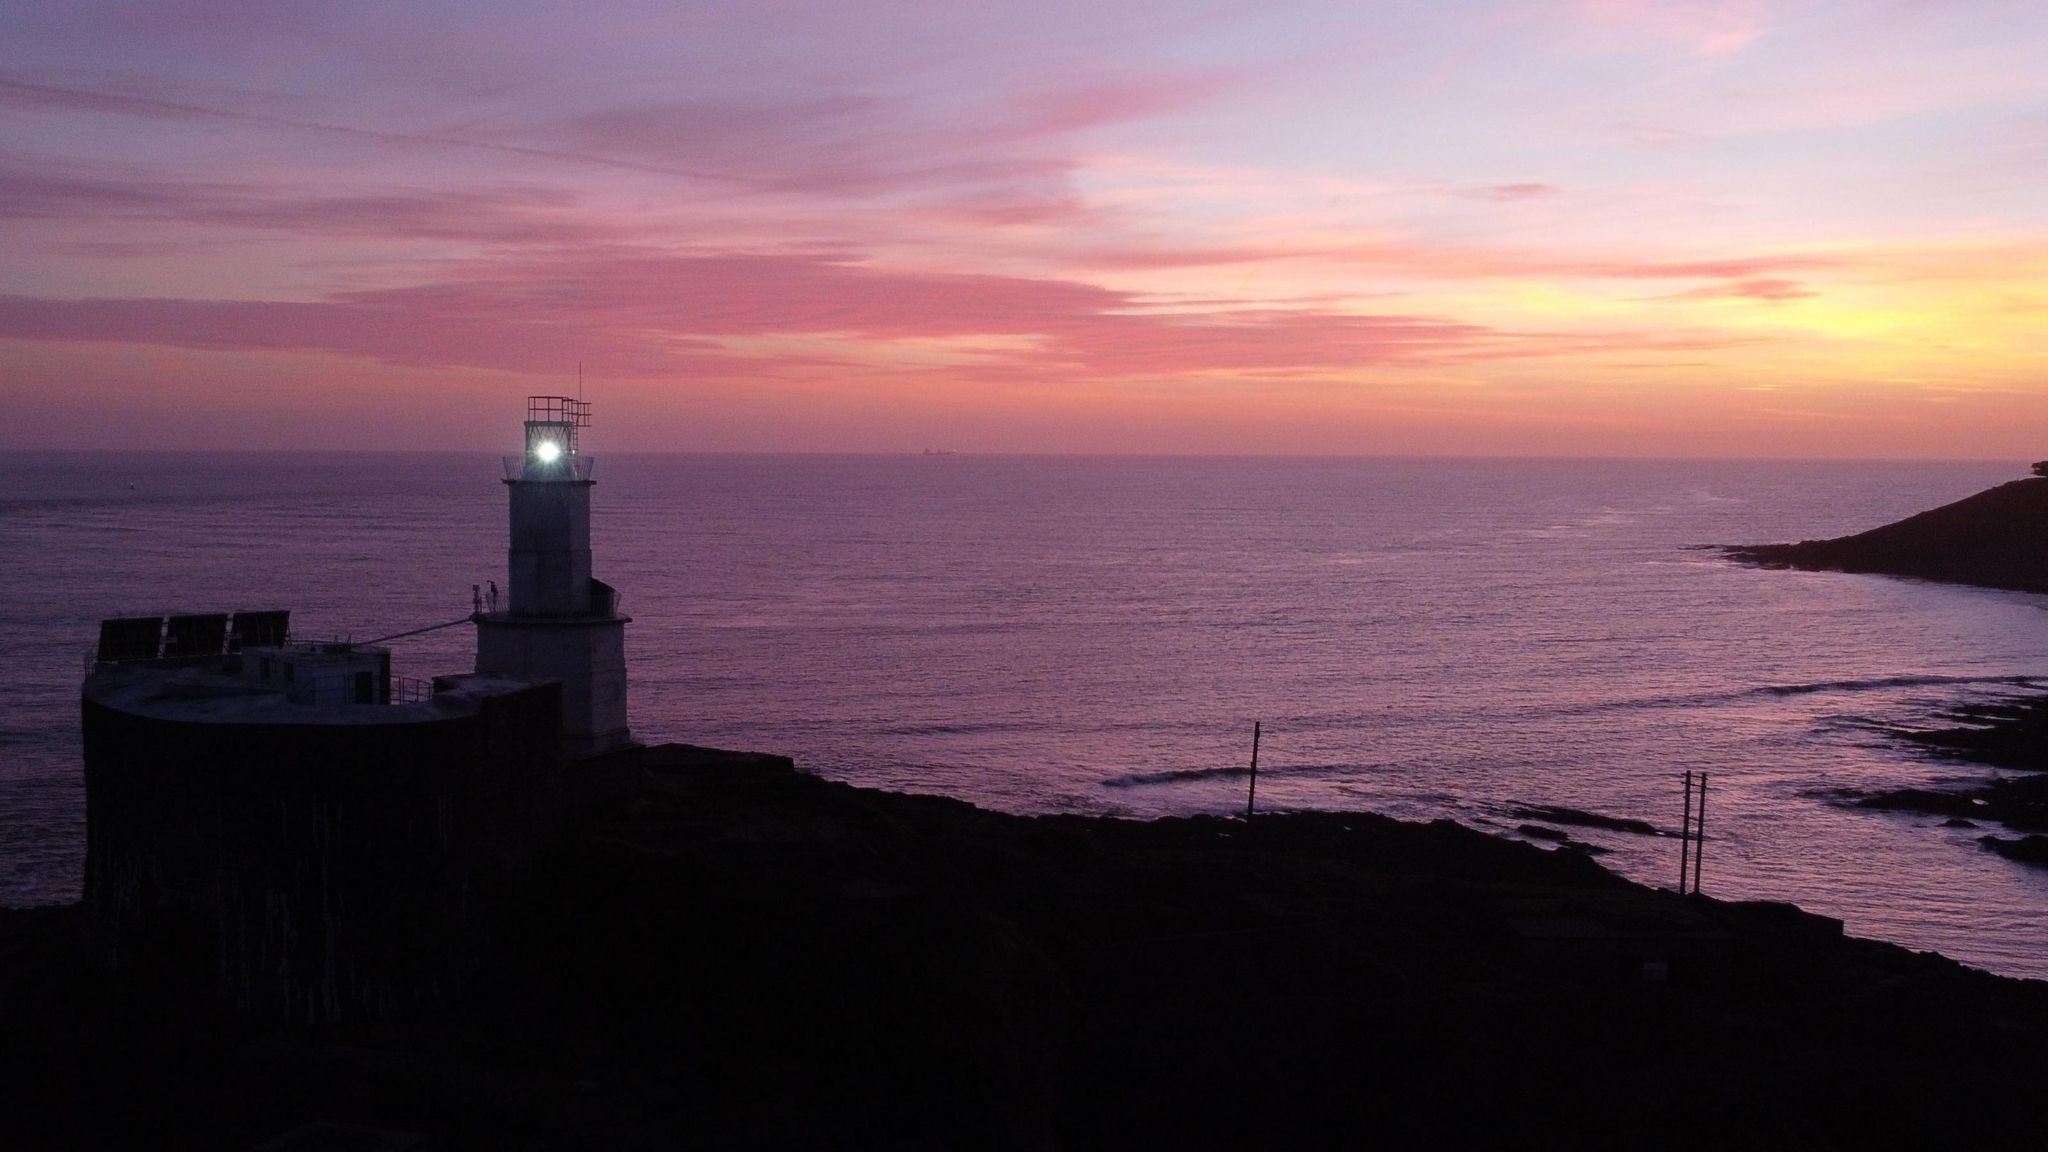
(1692, 833)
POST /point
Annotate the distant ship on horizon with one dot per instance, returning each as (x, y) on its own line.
(940, 452)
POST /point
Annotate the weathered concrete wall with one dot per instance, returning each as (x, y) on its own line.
(312, 873)
(587, 656)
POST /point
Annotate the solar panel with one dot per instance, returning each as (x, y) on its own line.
(201, 635)
(129, 638)
(261, 629)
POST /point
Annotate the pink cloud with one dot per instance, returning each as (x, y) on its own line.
(1268, 343)
(1527, 190)
(1438, 261)
(26, 96)
(1703, 27)
(663, 315)
(1656, 135)
(22, 94)
(1005, 160)
(1773, 289)
(1021, 203)
(368, 331)
(1067, 110)
(800, 144)
(1145, 259)
(1738, 268)
(858, 144)
(749, 295)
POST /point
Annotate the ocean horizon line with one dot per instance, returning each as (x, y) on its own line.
(1004, 454)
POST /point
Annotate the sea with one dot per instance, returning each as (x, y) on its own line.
(1423, 638)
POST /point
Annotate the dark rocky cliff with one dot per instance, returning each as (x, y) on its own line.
(723, 952)
(1996, 539)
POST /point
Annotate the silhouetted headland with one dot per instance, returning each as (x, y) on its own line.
(1997, 538)
(719, 949)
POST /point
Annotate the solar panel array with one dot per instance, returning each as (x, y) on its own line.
(124, 639)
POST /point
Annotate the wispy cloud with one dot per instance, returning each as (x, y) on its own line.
(1772, 289)
(1508, 193)
(1702, 27)
(25, 95)
(30, 191)
(1457, 262)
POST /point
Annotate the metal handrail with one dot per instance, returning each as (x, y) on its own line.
(398, 689)
(410, 690)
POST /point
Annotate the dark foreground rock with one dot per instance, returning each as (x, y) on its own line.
(2020, 803)
(1995, 539)
(726, 953)
(1578, 818)
(2010, 735)
(2028, 849)
(2004, 734)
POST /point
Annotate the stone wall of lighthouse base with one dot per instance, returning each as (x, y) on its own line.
(586, 654)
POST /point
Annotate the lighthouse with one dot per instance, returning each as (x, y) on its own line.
(558, 622)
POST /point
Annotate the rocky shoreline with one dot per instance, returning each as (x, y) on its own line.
(2011, 737)
(724, 951)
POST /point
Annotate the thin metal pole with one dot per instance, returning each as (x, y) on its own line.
(1685, 835)
(1699, 849)
(1251, 796)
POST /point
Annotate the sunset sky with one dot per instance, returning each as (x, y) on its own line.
(1532, 227)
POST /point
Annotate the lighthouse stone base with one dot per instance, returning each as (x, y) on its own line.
(587, 655)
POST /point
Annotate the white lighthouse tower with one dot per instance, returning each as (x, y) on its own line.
(558, 623)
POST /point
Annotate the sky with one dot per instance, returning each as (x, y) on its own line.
(1747, 228)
